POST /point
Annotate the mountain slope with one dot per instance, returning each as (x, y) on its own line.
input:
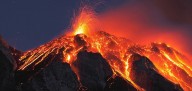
(101, 62)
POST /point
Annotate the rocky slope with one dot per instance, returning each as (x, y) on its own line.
(89, 72)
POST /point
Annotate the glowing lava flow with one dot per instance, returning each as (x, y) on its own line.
(169, 62)
(117, 51)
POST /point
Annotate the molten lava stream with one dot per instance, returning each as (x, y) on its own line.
(111, 50)
(169, 63)
(172, 68)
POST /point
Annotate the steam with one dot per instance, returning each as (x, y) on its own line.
(145, 23)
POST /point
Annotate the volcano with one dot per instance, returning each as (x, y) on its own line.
(94, 61)
(100, 62)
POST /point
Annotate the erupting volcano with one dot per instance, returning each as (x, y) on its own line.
(89, 59)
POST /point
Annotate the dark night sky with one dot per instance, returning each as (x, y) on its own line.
(26, 24)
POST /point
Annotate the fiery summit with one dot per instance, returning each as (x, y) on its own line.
(84, 22)
(117, 51)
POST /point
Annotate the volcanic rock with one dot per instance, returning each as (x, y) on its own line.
(16, 55)
(7, 68)
(118, 84)
(144, 74)
(92, 70)
(57, 76)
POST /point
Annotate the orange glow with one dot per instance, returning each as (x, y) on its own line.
(169, 62)
(84, 22)
(81, 29)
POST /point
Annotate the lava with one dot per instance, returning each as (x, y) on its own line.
(85, 21)
(116, 50)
